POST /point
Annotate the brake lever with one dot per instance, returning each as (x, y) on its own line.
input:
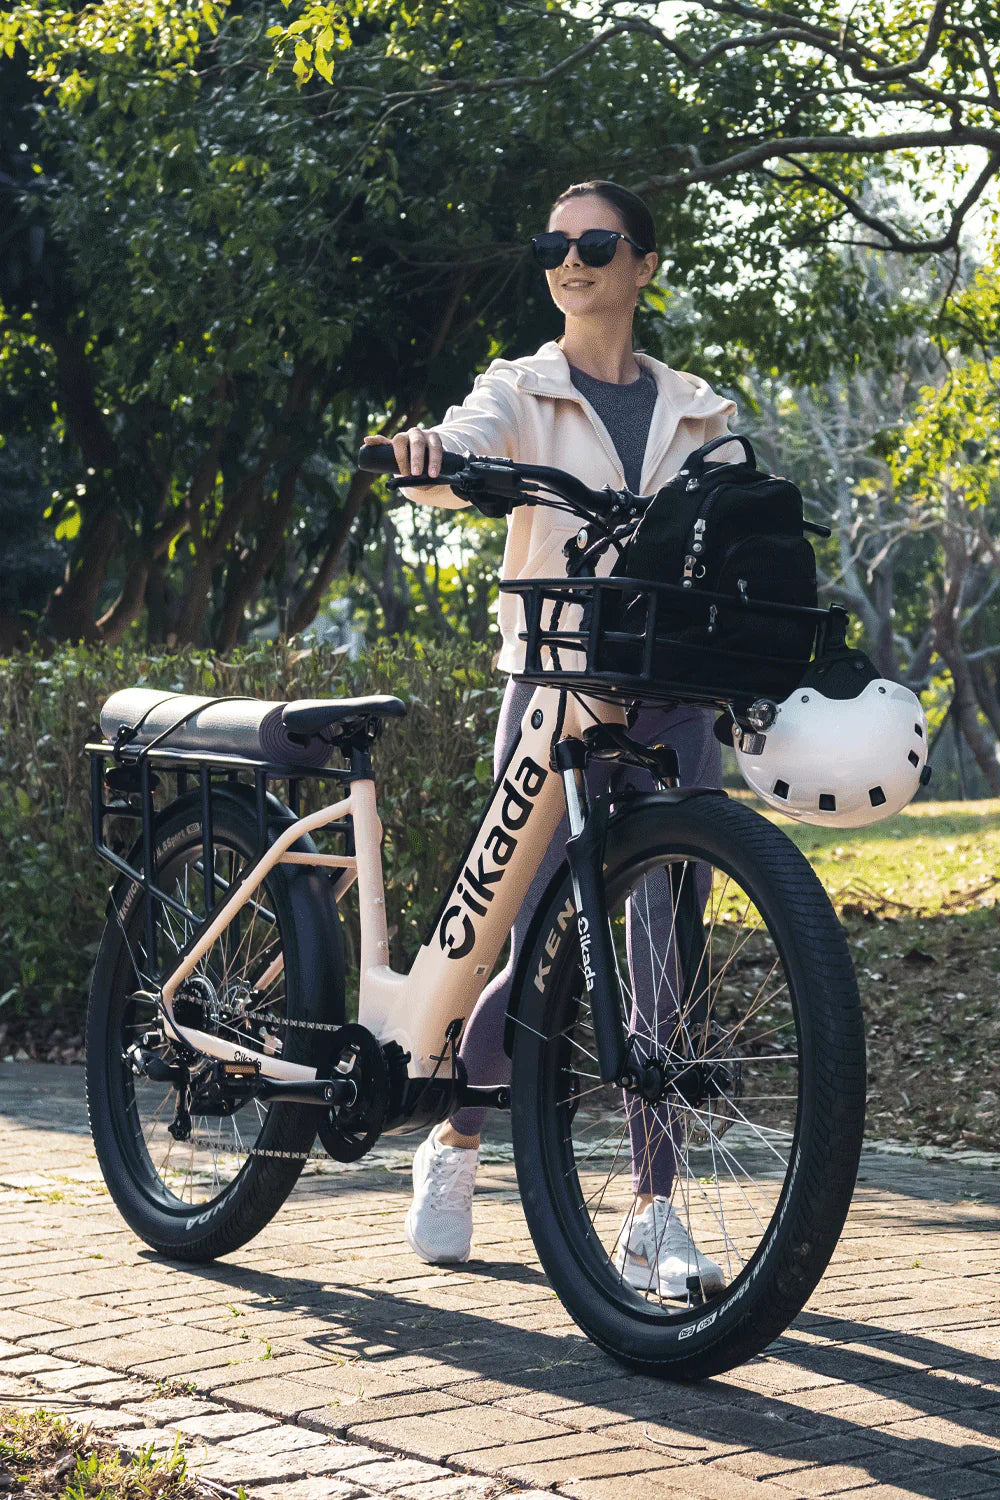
(416, 481)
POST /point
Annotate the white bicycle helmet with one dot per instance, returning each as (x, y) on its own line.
(841, 762)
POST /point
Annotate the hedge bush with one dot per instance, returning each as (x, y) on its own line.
(433, 769)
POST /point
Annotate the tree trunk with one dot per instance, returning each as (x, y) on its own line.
(70, 612)
(193, 605)
(966, 713)
(959, 756)
(880, 631)
(391, 587)
(113, 624)
(78, 399)
(985, 687)
(247, 576)
(306, 607)
(157, 603)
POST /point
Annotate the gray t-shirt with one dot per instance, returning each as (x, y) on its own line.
(627, 412)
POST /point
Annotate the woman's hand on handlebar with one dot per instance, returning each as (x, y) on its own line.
(493, 486)
(417, 451)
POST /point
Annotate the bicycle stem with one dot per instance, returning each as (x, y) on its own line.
(584, 852)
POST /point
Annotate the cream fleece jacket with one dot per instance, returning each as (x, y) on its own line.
(529, 410)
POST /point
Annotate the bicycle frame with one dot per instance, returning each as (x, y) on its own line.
(422, 1009)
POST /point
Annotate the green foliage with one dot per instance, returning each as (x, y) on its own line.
(245, 234)
(312, 39)
(55, 1457)
(431, 769)
(32, 559)
(952, 439)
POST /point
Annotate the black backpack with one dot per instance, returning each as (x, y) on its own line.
(734, 532)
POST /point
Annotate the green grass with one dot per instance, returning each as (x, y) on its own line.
(51, 1458)
(919, 898)
(935, 858)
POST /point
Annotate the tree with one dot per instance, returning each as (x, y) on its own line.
(427, 572)
(268, 229)
(946, 465)
(832, 435)
(795, 101)
(32, 560)
(902, 460)
(232, 316)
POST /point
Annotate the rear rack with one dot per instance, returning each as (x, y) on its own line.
(131, 782)
(574, 639)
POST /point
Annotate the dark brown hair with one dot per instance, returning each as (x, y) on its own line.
(628, 206)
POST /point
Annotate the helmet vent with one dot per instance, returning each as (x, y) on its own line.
(918, 730)
(781, 789)
(827, 802)
(876, 796)
(913, 758)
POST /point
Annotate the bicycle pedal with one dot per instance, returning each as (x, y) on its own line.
(236, 1070)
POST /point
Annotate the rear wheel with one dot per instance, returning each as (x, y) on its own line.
(746, 1027)
(195, 1171)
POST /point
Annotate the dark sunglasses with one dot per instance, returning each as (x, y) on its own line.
(596, 247)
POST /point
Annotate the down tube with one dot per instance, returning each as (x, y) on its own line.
(452, 967)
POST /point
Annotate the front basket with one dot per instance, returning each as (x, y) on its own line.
(635, 640)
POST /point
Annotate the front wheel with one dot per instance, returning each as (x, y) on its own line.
(194, 1172)
(745, 1026)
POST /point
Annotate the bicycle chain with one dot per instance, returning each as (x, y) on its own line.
(298, 1025)
(284, 1155)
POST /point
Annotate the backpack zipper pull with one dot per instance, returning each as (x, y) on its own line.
(699, 534)
(713, 610)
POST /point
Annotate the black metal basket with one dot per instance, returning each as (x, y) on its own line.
(635, 640)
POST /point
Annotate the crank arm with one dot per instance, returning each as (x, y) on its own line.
(244, 1076)
(475, 1096)
(325, 1093)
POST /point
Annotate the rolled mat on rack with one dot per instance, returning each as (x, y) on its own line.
(234, 726)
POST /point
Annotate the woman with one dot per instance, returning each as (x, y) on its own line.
(590, 404)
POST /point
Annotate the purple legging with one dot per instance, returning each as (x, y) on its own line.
(689, 730)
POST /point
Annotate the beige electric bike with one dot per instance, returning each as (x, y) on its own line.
(219, 1047)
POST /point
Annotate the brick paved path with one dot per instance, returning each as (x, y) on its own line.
(888, 1384)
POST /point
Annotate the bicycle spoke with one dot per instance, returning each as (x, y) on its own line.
(217, 1147)
(719, 1160)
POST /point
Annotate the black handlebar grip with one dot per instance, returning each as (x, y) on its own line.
(378, 458)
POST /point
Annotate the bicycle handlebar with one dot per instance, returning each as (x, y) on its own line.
(378, 458)
(497, 485)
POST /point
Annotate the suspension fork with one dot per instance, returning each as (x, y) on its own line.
(585, 853)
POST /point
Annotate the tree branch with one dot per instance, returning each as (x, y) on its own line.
(947, 241)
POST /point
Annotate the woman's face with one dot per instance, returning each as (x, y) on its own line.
(596, 291)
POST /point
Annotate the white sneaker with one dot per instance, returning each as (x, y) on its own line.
(655, 1253)
(439, 1223)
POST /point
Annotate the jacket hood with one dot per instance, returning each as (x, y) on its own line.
(547, 373)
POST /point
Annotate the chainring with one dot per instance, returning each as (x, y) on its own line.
(350, 1130)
